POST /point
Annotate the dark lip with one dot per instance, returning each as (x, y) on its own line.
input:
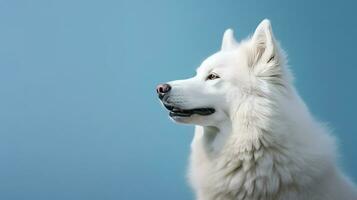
(178, 112)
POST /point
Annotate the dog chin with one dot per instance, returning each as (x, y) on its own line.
(182, 120)
(194, 119)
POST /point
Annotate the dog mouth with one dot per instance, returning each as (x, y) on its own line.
(178, 112)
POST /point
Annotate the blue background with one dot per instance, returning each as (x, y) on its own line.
(79, 117)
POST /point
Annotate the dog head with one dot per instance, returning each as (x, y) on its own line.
(226, 79)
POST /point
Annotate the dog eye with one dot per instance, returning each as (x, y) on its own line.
(212, 76)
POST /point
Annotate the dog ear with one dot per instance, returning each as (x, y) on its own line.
(228, 41)
(264, 45)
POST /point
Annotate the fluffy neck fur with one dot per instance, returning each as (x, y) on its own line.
(262, 152)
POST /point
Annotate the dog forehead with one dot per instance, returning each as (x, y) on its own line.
(218, 60)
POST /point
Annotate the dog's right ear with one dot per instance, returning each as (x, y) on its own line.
(228, 41)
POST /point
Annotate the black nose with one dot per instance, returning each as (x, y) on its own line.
(163, 89)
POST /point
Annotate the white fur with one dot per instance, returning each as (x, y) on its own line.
(262, 142)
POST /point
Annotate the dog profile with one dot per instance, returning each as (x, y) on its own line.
(254, 139)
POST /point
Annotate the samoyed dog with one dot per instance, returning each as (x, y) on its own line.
(255, 139)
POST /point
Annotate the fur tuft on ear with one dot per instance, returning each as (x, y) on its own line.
(228, 41)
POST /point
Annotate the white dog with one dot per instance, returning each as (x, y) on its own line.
(254, 137)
